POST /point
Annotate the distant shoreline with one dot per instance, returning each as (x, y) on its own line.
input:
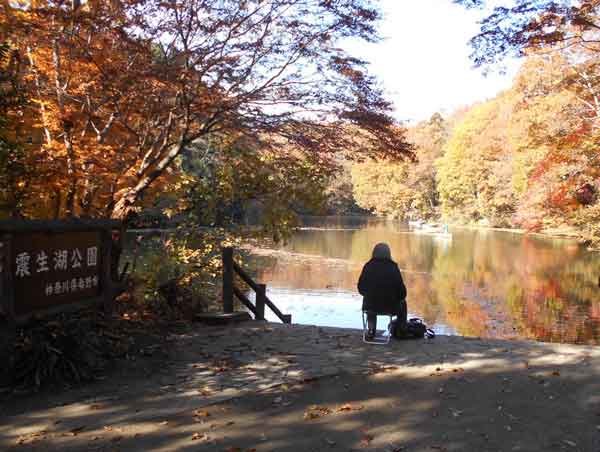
(559, 233)
(556, 233)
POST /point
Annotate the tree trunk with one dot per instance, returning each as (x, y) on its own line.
(124, 204)
(70, 198)
(43, 113)
(66, 126)
(58, 198)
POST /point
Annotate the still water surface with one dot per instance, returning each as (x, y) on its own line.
(479, 283)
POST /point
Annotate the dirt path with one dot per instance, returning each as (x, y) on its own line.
(271, 387)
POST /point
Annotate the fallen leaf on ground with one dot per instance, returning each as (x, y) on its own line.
(199, 436)
(366, 439)
(316, 411)
(330, 442)
(33, 437)
(348, 407)
(556, 373)
(200, 413)
(77, 430)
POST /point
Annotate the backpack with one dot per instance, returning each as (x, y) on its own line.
(414, 329)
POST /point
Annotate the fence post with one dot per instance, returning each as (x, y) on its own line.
(107, 271)
(261, 295)
(8, 328)
(227, 280)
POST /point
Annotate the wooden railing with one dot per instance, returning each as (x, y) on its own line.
(230, 268)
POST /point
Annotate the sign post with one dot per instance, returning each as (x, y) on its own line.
(8, 331)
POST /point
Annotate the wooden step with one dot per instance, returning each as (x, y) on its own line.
(219, 318)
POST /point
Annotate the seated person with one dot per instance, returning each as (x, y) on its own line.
(382, 288)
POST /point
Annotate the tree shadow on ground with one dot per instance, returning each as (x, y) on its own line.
(455, 394)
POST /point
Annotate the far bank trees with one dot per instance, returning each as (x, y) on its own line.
(528, 158)
(405, 189)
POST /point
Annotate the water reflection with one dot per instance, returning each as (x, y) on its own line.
(480, 283)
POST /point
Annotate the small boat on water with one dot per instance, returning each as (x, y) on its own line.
(435, 229)
(432, 228)
(416, 223)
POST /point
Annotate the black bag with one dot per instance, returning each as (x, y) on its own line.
(414, 329)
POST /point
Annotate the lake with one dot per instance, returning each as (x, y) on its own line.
(480, 283)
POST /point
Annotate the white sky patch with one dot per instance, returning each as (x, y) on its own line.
(423, 62)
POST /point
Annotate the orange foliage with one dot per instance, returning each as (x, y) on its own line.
(118, 90)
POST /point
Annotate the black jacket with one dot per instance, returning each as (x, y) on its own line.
(381, 286)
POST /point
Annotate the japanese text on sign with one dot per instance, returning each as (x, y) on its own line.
(24, 266)
(50, 269)
(73, 285)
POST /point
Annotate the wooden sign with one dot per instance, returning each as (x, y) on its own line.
(46, 266)
(54, 266)
(50, 269)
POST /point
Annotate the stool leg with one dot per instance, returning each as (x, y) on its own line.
(372, 322)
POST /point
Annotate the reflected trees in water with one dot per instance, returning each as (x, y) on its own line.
(482, 283)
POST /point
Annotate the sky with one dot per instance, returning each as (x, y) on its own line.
(423, 62)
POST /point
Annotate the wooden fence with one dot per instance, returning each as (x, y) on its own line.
(230, 269)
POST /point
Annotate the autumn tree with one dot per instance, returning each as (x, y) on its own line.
(504, 162)
(429, 138)
(515, 28)
(12, 162)
(567, 33)
(121, 89)
(381, 187)
(405, 189)
(236, 182)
